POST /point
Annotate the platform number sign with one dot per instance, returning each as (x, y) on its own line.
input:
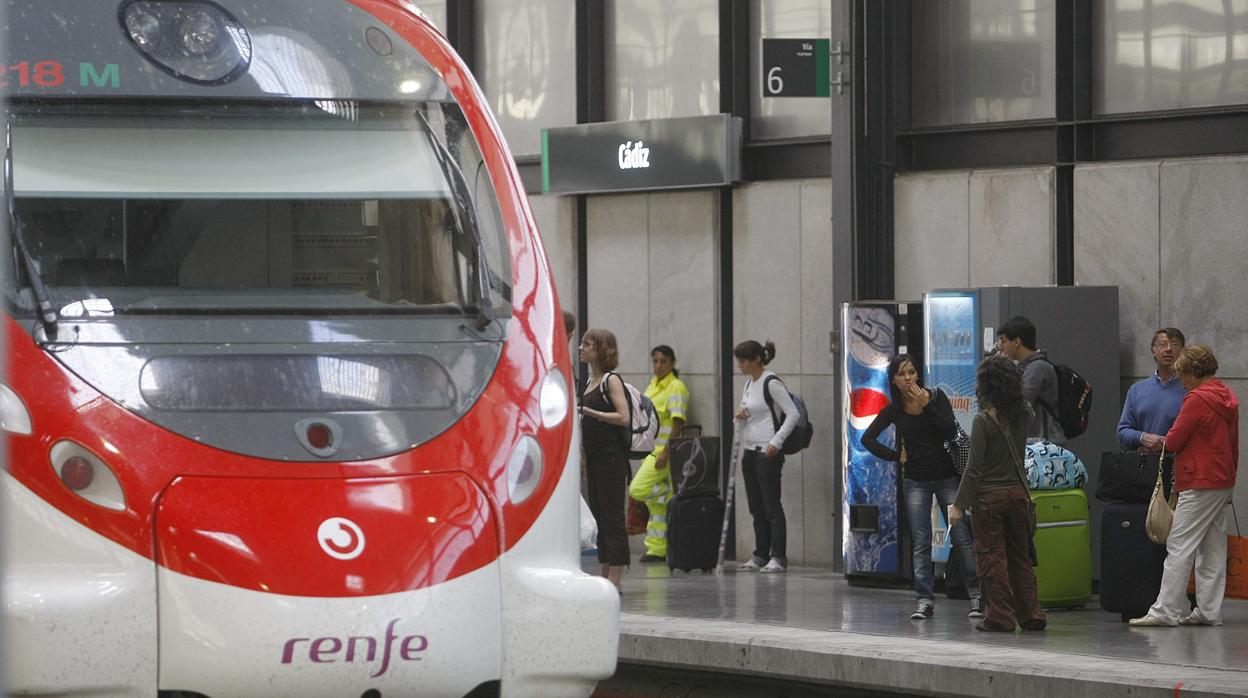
(795, 68)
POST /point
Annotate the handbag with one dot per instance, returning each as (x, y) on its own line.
(1160, 510)
(1128, 476)
(637, 518)
(958, 447)
(959, 450)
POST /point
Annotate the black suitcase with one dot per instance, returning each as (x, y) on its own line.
(695, 519)
(1131, 564)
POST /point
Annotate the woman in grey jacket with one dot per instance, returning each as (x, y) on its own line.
(995, 489)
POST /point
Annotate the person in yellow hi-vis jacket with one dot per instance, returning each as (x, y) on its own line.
(653, 482)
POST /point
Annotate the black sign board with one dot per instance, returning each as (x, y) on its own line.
(795, 68)
(697, 151)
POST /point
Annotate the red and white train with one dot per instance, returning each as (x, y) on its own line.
(288, 400)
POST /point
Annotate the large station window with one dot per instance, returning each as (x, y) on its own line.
(1169, 54)
(526, 60)
(787, 117)
(662, 59)
(978, 61)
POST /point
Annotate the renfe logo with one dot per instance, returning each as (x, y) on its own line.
(634, 155)
(341, 539)
(327, 650)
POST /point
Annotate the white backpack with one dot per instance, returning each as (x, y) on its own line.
(643, 419)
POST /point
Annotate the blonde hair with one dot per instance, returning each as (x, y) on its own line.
(605, 347)
(1197, 361)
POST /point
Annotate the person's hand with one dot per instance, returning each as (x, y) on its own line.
(919, 395)
(955, 515)
(1151, 442)
(903, 457)
(743, 413)
(772, 451)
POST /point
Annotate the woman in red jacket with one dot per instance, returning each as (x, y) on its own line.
(1205, 439)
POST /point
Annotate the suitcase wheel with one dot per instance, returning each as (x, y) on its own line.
(708, 569)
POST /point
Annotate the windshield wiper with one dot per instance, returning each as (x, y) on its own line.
(466, 215)
(46, 313)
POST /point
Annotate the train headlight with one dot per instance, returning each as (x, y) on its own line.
(14, 418)
(554, 399)
(524, 469)
(192, 40)
(84, 474)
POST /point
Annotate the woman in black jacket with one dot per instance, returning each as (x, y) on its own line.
(924, 421)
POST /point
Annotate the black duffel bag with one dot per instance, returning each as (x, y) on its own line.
(1129, 476)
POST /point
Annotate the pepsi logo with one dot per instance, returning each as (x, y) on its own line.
(341, 539)
(864, 405)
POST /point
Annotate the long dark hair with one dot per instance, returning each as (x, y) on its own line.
(999, 384)
(669, 353)
(750, 350)
(893, 367)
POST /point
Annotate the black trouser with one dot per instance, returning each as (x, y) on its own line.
(607, 470)
(762, 491)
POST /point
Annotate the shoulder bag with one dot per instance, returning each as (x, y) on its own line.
(1160, 516)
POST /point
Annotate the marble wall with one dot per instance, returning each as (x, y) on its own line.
(1170, 235)
(653, 279)
(782, 291)
(973, 228)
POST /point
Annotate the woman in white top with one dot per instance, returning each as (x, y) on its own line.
(764, 428)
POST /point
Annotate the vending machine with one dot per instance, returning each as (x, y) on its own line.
(876, 546)
(1077, 325)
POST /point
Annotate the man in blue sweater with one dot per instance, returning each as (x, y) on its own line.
(1153, 403)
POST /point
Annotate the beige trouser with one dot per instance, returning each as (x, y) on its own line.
(1198, 533)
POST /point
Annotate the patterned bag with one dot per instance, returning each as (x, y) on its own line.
(637, 517)
(1051, 467)
(959, 450)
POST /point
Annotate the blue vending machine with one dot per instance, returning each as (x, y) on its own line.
(875, 545)
(953, 353)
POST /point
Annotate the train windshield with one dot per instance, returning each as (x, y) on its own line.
(293, 207)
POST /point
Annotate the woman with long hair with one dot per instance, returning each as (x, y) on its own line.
(762, 433)
(924, 421)
(994, 488)
(1205, 439)
(604, 421)
(653, 482)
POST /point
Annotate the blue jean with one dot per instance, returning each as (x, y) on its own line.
(919, 513)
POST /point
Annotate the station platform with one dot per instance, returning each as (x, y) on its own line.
(812, 627)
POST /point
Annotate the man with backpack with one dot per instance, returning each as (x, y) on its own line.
(1016, 340)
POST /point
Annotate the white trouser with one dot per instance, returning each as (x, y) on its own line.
(1199, 532)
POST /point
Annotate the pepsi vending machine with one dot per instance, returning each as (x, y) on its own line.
(875, 545)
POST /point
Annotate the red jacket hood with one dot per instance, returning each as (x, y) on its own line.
(1219, 398)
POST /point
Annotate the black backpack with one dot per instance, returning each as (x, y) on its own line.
(1074, 400)
(801, 435)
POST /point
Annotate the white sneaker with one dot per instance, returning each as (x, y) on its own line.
(1148, 621)
(774, 566)
(750, 565)
(1198, 620)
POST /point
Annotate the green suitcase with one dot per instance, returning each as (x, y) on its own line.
(1063, 548)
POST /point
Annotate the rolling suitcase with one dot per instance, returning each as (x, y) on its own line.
(1063, 548)
(1131, 564)
(694, 519)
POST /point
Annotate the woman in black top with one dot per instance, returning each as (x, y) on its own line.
(924, 420)
(603, 437)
